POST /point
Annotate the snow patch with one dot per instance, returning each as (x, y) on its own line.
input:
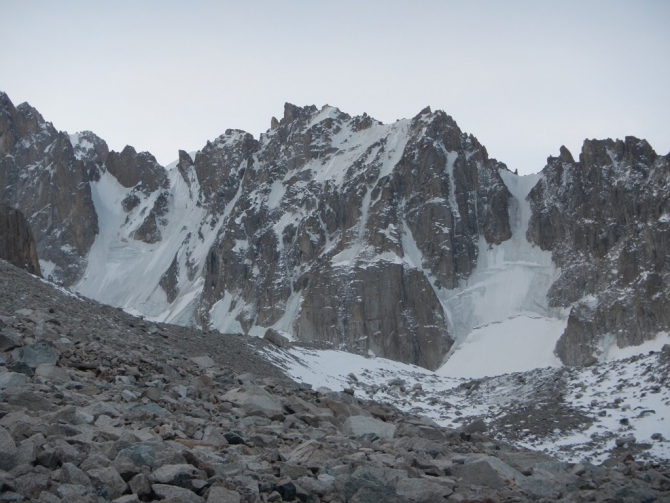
(516, 344)
(656, 344)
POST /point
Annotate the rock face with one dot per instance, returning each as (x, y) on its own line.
(17, 245)
(51, 176)
(606, 218)
(336, 223)
(42, 175)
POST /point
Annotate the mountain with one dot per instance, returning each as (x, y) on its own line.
(402, 240)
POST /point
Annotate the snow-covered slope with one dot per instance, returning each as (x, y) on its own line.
(576, 414)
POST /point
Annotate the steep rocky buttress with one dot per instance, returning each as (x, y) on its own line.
(17, 245)
(606, 218)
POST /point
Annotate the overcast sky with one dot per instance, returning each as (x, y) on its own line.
(524, 77)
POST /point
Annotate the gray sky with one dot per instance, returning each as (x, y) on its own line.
(524, 77)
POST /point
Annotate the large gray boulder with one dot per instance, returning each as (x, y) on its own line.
(165, 491)
(38, 354)
(362, 425)
(109, 480)
(478, 473)
(255, 400)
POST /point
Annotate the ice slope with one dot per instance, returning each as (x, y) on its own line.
(499, 316)
(125, 272)
(614, 399)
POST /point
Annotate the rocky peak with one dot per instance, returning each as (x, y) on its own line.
(184, 165)
(293, 112)
(131, 169)
(631, 151)
(604, 220)
(91, 150)
(33, 120)
(565, 155)
(220, 166)
(40, 175)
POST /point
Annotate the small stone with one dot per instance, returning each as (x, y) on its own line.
(8, 343)
(274, 496)
(128, 498)
(622, 441)
(233, 438)
(128, 396)
(287, 491)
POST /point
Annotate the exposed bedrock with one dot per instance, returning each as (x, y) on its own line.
(606, 218)
(338, 223)
(41, 175)
(17, 245)
(383, 309)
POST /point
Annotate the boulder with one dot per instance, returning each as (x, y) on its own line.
(276, 338)
(57, 375)
(478, 473)
(422, 490)
(218, 494)
(362, 425)
(204, 362)
(164, 491)
(12, 380)
(71, 474)
(8, 450)
(38, 354)
(255, 400)
(176, 475)
(109, 480)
